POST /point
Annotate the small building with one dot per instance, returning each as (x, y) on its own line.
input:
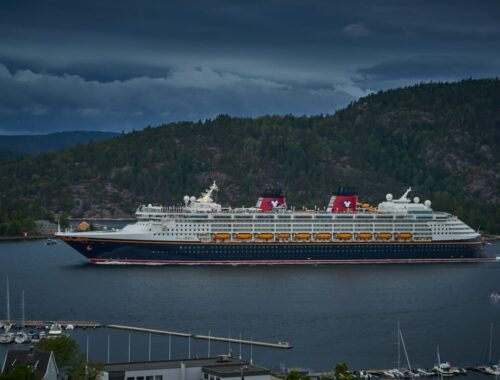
(220, 368)
(43, 363)
(82, 227)
(45, 227)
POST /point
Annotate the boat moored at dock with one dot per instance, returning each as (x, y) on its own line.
(347, 231)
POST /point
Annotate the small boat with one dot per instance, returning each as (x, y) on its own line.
(384, 236)
(70, 327)
(35, 337)
(7, 337)
(397, 373)
(302, 236)
(424, 373)
(55, 329)
(21, 337)
(444, 369)
(494, 296)
(404, 236)
(243, 236)
(50, 241)
(222, 236)
(323, 236)
(264, 236)
(283, 235)
(344, 236)
(364, 236)
(492, 370)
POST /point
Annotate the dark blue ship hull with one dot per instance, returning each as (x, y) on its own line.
(153, 252)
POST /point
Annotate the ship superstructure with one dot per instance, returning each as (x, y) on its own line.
(347, 231)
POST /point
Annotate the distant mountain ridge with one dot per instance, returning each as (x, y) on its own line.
(14, 146)
(440, 138)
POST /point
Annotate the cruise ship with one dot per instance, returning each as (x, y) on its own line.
(201, 231)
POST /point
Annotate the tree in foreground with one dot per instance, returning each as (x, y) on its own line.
(19, 372)
(70, 359)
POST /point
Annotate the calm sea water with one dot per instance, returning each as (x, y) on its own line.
(328, 313)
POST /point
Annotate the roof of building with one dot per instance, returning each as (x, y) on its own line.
(233, 370)
(166, 364)
(32, 357)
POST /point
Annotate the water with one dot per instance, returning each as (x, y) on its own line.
(328, 313)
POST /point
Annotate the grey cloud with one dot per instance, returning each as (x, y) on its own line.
(190, 93)
(423, 68)
(356, 30)
(93, 64)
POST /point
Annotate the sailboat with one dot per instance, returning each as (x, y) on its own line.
(21, 336)
(495, 368)
(442, 369)
(7, 336)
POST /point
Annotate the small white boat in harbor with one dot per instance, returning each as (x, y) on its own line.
(7, 337)
(424, 373)
(493, 370)
(22, 337)
(55, 329)
(70, 327)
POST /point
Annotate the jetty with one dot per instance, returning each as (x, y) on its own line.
(281, 345)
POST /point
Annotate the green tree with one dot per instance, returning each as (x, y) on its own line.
(86, 371)
(19, 372)
(296, 375)
(64, 348)
(341, 372)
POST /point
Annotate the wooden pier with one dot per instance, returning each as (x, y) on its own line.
(41, 324)
(93, 325)
(280, 345)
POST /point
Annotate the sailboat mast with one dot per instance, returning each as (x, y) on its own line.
(406, 352)
(491, 338)
(399, 347)
(8, 301)
(22, 315)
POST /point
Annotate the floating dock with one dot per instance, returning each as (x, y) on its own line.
(281, 345)
(41, 324)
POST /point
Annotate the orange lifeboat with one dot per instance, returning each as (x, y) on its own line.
(364, 236)
(283, 235)
(404, 236)
(344, 236)
(243, 236)
(222, 236)
(323, 236)
(265, 236)
(302, 236)
(384, 236)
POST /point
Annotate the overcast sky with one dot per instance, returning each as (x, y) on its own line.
(106, 65)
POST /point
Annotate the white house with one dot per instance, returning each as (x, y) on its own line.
(220, 368)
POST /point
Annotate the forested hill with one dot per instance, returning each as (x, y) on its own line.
(442, 139)
(19, 145)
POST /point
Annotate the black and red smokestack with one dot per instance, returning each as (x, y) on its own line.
(343, 200)
(271, 199)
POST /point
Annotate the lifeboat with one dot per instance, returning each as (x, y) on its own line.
(404, 236)
(384, 236)
(323, 236)
(283, 235)
(302, 236)
(364, 236)
(222, 236)
(264, 236)
(243, 236)
(344, 236)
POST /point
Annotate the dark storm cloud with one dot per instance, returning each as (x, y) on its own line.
(107, 65)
